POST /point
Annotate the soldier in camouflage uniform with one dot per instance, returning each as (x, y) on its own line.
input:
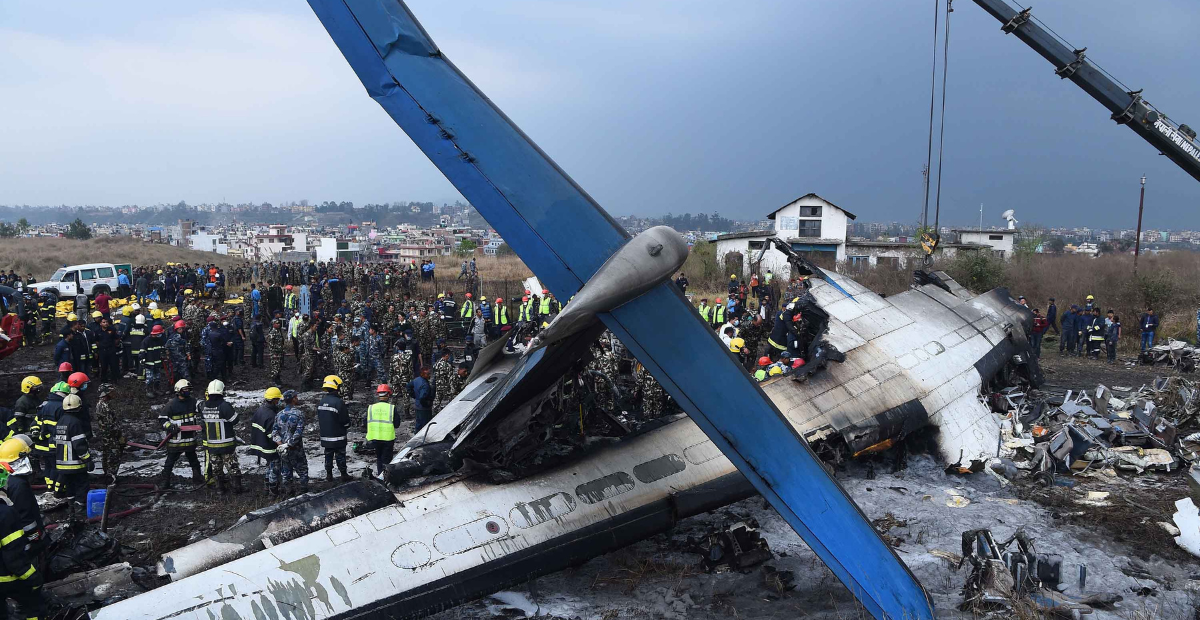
(194, 316)
(275, 348)
(402, 373)
(753, 333)
(178, 354)
(653, 396)
(459, 380)
(443, 381)
(308, 355)
(377, 357)
(108, 429)
(343, 365)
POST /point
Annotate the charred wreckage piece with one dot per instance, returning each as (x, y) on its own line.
(455, 532)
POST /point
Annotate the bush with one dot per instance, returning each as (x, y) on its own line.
(977, 271)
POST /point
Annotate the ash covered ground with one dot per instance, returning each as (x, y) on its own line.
(922, 510)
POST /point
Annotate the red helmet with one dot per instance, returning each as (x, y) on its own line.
(66, 367)
(764, 361)
(289, 287)
(77, 379)
(499, 300)
(526, 291)
(383, 389)
(798, 362)
(526, 298)
(156, 330)
(180, 325)
(545, 292)
(468, 295)
(719, 300)
(796, 317)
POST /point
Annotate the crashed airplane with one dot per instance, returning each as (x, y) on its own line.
(491, 493)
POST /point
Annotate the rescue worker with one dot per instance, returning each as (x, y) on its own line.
(717, 314)
(135, 337)
(42, 431)
(275, 347)
(20, 581)
(47, 312)
(343, 365)
(178, 413)
(549, 307)
(289, 434)
(1095, 333)
(16, 453)
(760, 374)
(73, 460)
(443, 371)
(179, 353)
(108, 429)
(381, 427)
(308, 357)
(333, 418)
(1066, 344)
(27, 405)
(153, 348)
(402, 371)
(500, 324)
(108, 342)
(653, 395)
(467, 310)
(422, 395)
(262, 425)
(219, 418)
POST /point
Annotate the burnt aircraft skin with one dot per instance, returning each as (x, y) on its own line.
(914, 359)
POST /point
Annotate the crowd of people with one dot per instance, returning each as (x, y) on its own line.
(1085, 330)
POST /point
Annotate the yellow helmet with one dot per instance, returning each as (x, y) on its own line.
(1090, 298)
(732, 276)
(187, 291)
(14, 448)
(96, 314)
(775, 370)
(272, 393)
(736, 345)
(72, 317)
(156, 314)
(332, 382)
(173, 312)
(30, 383)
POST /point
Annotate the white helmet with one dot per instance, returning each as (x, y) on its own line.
(135, 306)
(182, 384)
(140, 319)
(216, 387)
(154, 305)
(72, 402)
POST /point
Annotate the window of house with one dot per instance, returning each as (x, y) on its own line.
(995, 237)
(87, 274)
(887, 262)
(810, 211)
(106, 272)
(858, 263)
(809, 228)
(756, 245)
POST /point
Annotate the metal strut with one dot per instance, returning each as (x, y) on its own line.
(1073, 66)
(1017, 21)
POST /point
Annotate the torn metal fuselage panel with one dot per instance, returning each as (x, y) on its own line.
(913, 359)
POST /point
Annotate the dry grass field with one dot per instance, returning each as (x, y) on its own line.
(41, 256)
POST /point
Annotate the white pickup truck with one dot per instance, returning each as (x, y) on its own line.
(90, 279)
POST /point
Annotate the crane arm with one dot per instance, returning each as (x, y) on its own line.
(1128, 108)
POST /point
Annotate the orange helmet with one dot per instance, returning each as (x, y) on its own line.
(719, 300)
(77, 379)
(66, 367)
(764, 361)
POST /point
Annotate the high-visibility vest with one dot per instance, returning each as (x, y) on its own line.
(289, 302)
(704, 310)
(767, 278)
(379, 422)
(467, 310)
(718, 314)
(525, 311)
(502, 315)
(544, 307)
(760, 375)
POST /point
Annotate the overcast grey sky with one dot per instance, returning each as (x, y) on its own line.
(651, 106)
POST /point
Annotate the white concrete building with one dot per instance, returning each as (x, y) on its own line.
(809, 223)
(205, 241)
(1001, 241)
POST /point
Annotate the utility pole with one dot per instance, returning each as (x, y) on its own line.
(1137, 240)
(981, 217)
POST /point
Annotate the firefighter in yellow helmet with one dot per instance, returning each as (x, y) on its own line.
(27, 405)
(73, 459)
(333, 417)
(21, 531)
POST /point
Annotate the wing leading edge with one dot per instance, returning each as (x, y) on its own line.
(564, 236)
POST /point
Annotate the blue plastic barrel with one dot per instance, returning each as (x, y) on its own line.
(95, 502)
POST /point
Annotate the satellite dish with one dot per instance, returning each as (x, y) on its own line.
(1012, 220)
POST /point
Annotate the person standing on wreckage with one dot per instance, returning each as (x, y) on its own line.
(262, 426)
